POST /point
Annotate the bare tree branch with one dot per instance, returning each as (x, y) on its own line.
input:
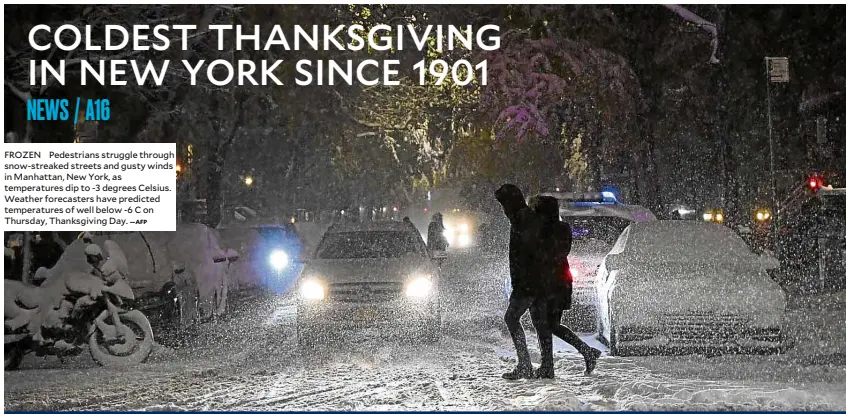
(709, 27)
(23, 96)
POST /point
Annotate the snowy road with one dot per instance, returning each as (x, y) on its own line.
(252, 363)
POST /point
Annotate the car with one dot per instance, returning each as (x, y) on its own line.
(812, 241)
(370, 275)
(271, 256)
(596, 220)
(179, 278)
(682, 286)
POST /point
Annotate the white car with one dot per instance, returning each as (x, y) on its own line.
(370, 275)
(671, 286)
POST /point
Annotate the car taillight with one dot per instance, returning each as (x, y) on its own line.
(568, 275)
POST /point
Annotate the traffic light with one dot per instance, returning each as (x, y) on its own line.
(815, 182)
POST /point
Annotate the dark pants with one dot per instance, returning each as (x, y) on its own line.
(518, 304)
(546, 316)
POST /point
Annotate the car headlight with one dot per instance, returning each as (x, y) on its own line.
(312, 289)
(463, 240)
(419, 287)
(449, 234)
(278, 259)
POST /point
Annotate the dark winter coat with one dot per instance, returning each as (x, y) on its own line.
(556, 238)
(523, 240)
(435, 236)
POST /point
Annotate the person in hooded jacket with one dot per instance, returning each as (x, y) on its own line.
(526, 284)
(436, 240)
(555, 240)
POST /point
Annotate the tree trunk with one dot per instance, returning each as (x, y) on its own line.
(214, 187)
(216, 160)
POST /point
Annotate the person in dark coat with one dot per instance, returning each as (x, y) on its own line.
(525, 282)
(555, 240)
(436, 240)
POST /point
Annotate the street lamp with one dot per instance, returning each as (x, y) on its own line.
(248, 181)
(777, 71)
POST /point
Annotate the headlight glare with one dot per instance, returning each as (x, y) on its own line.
(449, 234)
(278, 259)
(312, 289)
(419, 287)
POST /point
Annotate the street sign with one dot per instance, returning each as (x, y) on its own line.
(778, 70)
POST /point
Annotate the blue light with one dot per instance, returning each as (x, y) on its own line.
(580, 232)
(609, 196)
(613, 190)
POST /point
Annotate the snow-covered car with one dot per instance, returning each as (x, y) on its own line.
(178, 277)
(271, 255)
(669, 286)
(370, 275)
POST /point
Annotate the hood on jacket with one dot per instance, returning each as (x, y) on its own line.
(547, 208)
(511, 198)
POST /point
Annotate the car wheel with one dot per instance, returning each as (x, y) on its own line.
(181, 319)
(188, 305)
(222, 301)
(13, 355)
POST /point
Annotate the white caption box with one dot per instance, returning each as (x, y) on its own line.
(94, 187)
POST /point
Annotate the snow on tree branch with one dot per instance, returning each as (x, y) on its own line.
(709, 27)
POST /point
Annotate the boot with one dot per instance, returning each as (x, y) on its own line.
(590, 360)
(521, 372)
(545, 372)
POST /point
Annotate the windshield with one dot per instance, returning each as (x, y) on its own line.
(697, 243)
(370, 245)
(277, 233)
(593, 231)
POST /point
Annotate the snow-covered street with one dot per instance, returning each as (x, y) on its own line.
(252, 362)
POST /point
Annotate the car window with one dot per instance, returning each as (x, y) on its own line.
(370, 245)
(277, 233)
(599, 229)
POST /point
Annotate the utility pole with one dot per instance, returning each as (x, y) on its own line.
(777, 71)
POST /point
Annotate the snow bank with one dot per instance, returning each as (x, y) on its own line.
(655, 397)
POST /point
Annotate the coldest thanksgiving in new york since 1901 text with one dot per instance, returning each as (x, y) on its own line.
(222, 72)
